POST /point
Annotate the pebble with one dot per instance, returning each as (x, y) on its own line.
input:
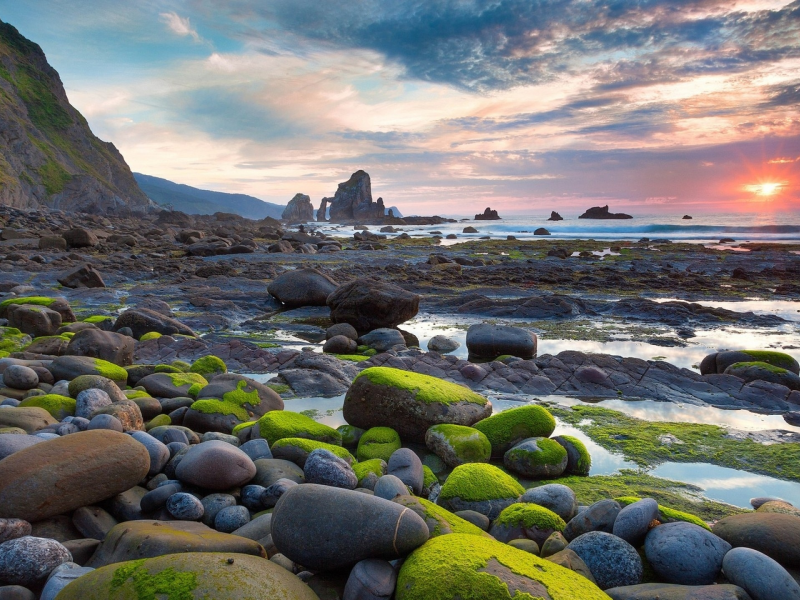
(20, 377)
(231, 518)
(213, 503)
(159, 453)
(185, 507)
(407, 467)
(106, 422)
(324, 467)
(89, 401)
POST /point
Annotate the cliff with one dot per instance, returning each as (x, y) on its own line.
(48, 155)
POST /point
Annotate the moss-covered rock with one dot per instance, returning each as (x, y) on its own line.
(13, 340)
(762, 371)
(480, 487)
(378, 442)
(471, 567)
(369, 471)
(70, 367)
(279, 424)
(440, 521)
(526, 520)
(536, 458)
(508, 428)
(410, 403)
(458, 444)
(579, 461)
(298, 449)
(350, 435)
(150, 335)
(718, 362)
(208, 366)
(97, 319)
(666, 514)
(189, 576)
(60, 305)
(158, 421)
(172, 385)
(58, 406)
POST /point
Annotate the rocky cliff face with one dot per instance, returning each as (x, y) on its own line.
(353, 201)
(48, 155)
(299, 209)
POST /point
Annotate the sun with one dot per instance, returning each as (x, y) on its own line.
(764, 189)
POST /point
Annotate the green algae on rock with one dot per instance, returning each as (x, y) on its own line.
(410, 403)
(470, 567)
(480, 487)
(526, 520)
(150, 335)
(209, 365)
(375, 466)
(536, 458)
(440, 521)
(298, 449)
(279, 424)
(458, 444)
(579, 461)
(508, 428)
(378, 442)
(56, 405)
(189, 576)
(667, 515)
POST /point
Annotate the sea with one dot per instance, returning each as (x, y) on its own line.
(702, 228)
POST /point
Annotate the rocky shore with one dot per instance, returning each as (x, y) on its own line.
(141, 456)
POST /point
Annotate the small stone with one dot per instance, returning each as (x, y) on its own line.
(215, 465)
(370, 579)
(407, 467)
(633, 521)
(185, 507)
(11, 529)
(600, 516)
(759, 575)
(554, 496)
(324, 467)
(231, 518)
(20, 377)
(389, 487)
(612, 561)
(28, 560)
(685, 553)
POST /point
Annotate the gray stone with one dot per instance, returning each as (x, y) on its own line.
(231, 518)
(369, 304)
(389, 487)
(600, 516)
(685, 553)
(344, 329)
(340, 344)
(759, 575)
(670, 591)
(11, 529)
(270, 470)
(633, 521)
(213, 504)
(28, 560)
(16, 592)
(443, 344)
(102, 421)
(185, 507)
(93, 522)
(407, 467)
(61, 578)
(159, 453)
(14, 442)
(370, 579)
(612, 561)
(251, 497)
(157, 498)
(302, 287)
(383, 339)
(479, 520)
(215, 465)
(20, 377)
(345, 526)
(273, 493)
(257, 529)
(553, 496)
(486, 341)
(256, 449)
(324, 467)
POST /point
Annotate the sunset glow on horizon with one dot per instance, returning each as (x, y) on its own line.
(451, 107)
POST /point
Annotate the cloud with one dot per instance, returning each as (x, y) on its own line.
(180, 25)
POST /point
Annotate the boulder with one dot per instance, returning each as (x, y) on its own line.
(302, 287)
(215, 465)
(83, 277)
(222, 576)
(718, 362)
(369, 304)
(526, 521)
(383, 339)
(600, 516)
(481, 487)
(230, 399)
(536, 458)
(458, 444)
(443, 344)
(30, 419)
(634, 521)
(28, 560)
(506, 429)
(325, 468)
(343, 526)
(471, 566)
(84, 467)
(410, 403)
(173, 385)
(684, 553)
(134, 540)
(144, 320)
(340, 344)
(554, 496)
(774, 534)
(71, 367)
(20, 377)
(33, 320)
(579, 461)
(276, 425)
(612, 561)
(80, 238)
(487, 342)
(378, 443)
(298, 210)
(761, 371)
(106, 345)
(670, 591)
(759, 575)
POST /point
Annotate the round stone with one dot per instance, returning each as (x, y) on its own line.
(106, 422)
(215, 465)
(759, 575)
(324, 467)
(633, 521)
(612, 561)
(371, 579)
(554, 496)
(20, 377)
(389, 487)
(230, 518)
(185, 507)
(600, 516)
(28, 560)
(407, 467)
(685, 553)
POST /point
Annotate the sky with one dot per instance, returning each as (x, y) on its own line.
(527, 106)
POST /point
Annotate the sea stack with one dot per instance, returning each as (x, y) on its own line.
(488, 215)
(601, 212)
(554, 216)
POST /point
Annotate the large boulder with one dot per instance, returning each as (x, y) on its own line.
(84, 468)
(106, 345)
(215, 465)
(144, 320)
(410, 403)
(508, 428)
(299, 210)
(471, 566)
(60, 305)
(228, 400)
(536, 458)
(718, 362)
(369, 304)
(760, 576)
(612, 561)
(191, 576)
(684, 553)
(774, 534)
(79, 237)
(327, 528)
(302, 287)
(33, 320)
(480, 487)
(133, 540)
(486, 342)
(70, 367)
(83, 277)
(353, 201)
